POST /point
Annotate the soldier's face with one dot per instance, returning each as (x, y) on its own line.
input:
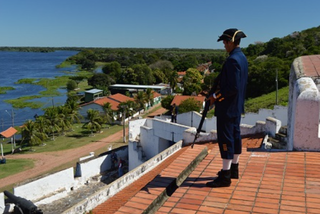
(228, 45)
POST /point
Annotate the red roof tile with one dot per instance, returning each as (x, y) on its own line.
(179, 98)
(104, 100)
(156, 94)
(9, 132)
(120, 97)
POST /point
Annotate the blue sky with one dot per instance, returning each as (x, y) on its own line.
(149, 23)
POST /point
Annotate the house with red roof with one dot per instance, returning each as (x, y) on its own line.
(179, 98)
(98, 103)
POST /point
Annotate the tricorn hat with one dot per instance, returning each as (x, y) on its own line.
(232, 34)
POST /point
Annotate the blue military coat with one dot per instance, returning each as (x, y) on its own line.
(232, 85)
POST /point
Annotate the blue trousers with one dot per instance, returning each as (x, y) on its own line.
(229, 138)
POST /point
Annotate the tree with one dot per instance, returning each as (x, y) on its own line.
(166, 102)
(149, 96)
(129, 76)
(71, 85)
(208, 81)
(31, 134)
(51, 115)
(192, 82)
(144, 74)
(173, 79)
(190, 104)
(113, 69)
(108, 112)
(73, 114)
(94, 122)
(100, 79)
(140, 99)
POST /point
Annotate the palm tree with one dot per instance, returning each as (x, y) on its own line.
(63, 118)
(173, 80)
(94, 121)
(73, 111)
(149, 96)
(51, 114)
(42, 125)
(108, 112)
(140, 99)
(31, 134)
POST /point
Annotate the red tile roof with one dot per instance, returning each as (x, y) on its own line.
(156, 94)
(120, 97)
(9, 132)
(182, 73)
(114, 100)
(179, 98)
(104, 100)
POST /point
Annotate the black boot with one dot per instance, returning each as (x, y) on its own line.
(223, 179)
(234, 170)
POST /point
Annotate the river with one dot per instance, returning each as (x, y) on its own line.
(21, 65)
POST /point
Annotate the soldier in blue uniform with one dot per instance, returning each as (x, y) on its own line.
(228, 95)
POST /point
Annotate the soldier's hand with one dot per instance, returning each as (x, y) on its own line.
(211, 99)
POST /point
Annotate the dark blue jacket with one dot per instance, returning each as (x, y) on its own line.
(232, 85)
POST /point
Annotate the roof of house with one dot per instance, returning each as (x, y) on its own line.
(104, 100)
(179, 98)
(120, 98)
(156, 94)
(182, 73)
(94, 91)
(114, 100)
(9, 132)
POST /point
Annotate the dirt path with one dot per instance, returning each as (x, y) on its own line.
(46, 161)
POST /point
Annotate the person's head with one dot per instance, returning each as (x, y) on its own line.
(231, 38)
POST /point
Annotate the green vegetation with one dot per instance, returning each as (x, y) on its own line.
(268, 101)
(52, 85)
(73, 139)
(14, 166)
(4, 90)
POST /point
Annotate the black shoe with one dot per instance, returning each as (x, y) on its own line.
(234, 170)
(223, 179)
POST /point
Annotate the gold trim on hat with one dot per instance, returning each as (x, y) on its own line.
(235, 33)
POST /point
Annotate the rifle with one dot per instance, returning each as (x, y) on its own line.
(214, 88)
(204, 114)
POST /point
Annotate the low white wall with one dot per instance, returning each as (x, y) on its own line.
(134, 128)
(2, 205)
(192, 119)
(124, 181)
(95, 166)
(134, 158)
(272, 126)
(49, 187)
(189, 134)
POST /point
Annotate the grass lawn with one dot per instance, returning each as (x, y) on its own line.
(76, 138)
(14, 166)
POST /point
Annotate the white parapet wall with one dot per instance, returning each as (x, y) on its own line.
(122, 182)
(48, 188)
(304, 106)
(192, 119)
(89, 168)
(2, 205)
(306, 126)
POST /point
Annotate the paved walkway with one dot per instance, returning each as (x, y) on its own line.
(270, 182)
